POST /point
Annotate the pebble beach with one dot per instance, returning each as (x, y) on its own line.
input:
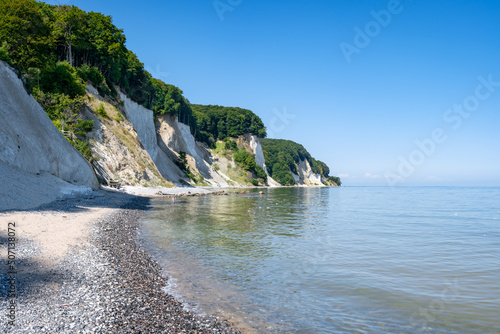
(79, 269)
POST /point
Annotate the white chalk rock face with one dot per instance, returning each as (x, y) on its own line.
(257, 150)
(260, 160)
(29, 140)
(307, 176)
(143, 122)
(176, 137)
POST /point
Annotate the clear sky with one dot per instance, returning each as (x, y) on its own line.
(384, 92)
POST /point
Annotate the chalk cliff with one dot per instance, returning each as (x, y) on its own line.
(175, 137)
(139, 150)
(306, 176)
(29, 140)
(37, 164)
(129, 146)
(120, 157)
(143, 122)
(260, 160)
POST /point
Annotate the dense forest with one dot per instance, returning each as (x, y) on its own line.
(217, 123)
(283, 156)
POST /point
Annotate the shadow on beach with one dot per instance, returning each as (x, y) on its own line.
(32, 275)
(78, 203)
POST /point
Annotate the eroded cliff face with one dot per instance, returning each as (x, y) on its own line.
(29, 140)
(140, 150)
(306, 176)
(117, 147)
(137, 150)
(174, 138)
(142, 120)
(256, 148)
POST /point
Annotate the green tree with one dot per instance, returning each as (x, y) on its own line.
(34, 75)
(93, 75)
(27, 32)
(67, 27)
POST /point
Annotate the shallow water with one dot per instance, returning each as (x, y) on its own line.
(336, 260)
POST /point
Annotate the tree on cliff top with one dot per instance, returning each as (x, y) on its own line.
(217, 122)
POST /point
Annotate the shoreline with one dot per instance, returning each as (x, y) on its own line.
(194, 191)
(80, 269)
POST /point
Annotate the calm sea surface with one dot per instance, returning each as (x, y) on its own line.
(336, 260)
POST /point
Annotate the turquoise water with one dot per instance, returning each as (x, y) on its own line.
(336, 260)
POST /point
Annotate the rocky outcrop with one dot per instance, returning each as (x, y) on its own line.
(306, 177)
(29, 140)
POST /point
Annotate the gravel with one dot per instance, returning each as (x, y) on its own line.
(108, 285)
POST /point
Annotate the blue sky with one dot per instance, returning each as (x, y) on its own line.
(384, 92)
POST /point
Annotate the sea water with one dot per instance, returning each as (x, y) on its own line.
(335, 260)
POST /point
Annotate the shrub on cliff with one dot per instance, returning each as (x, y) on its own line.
(92, 74)
(247, 162)
(62, 78)
(4, 52)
